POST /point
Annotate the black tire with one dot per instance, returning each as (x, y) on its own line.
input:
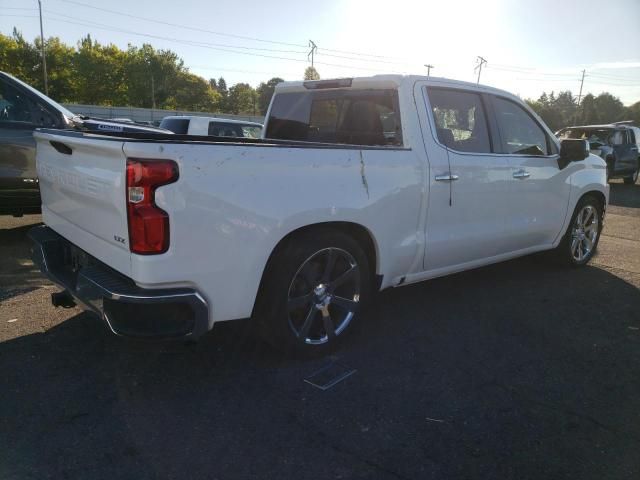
(633, 178)
(297, 271)
(566, 251)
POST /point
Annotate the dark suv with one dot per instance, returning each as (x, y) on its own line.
(22, 110)
(617, 143)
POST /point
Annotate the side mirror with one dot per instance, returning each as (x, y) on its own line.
(572, 150)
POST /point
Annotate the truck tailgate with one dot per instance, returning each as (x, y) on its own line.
(82, 184)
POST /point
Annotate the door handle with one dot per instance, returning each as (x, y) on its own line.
(521, 174)
(446, 177)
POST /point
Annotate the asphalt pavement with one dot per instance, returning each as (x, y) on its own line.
(515, 371)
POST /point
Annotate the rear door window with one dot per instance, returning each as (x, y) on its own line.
(364, 117)
(460, 120)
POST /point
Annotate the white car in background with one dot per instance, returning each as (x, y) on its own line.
(211, 126)
(358, 185)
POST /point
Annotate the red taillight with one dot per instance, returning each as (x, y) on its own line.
(148, 224)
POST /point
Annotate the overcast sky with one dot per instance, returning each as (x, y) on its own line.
(530, 45)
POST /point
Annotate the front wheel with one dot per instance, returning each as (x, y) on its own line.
(633, 178)
(314, 290)
(581, 239)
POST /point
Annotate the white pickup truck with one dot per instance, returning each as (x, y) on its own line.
(357, 185)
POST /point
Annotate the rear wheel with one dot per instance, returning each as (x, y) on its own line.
(581, 239)
(313, 293)
(633, 178)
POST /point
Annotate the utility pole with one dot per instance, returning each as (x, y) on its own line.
(429, 67)
(481, 61)
(153, 92)
(44, 59)
(313, 51)
(575, 120)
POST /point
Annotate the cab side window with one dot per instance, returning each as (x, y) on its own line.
(521, 134)
(460, 120)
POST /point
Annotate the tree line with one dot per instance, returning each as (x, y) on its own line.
(562, 110)
(97, 74)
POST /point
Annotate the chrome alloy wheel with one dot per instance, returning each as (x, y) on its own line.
(584, 233)
(324, 296)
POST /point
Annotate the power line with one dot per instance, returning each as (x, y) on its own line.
(202, 44)
(243, 37)
(161, 22)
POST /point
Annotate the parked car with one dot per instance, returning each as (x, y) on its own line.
(22, 110)
(299, 229)
(617, 143)
(211, 126)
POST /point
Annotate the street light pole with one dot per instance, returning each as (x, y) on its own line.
(44, 58)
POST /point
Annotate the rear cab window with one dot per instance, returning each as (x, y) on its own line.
(358, 117)
(178, 126)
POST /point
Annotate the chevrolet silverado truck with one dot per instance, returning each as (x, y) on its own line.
(357, 185)
(22, 110)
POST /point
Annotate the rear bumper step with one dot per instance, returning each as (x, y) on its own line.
(127, 309)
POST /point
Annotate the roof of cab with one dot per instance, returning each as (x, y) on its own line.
(393, 81)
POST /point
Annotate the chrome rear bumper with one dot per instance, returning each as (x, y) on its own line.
(127, 309)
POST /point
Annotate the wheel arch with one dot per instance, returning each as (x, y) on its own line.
(362, 235)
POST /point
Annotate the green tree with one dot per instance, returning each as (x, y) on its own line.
(311, 73)
(100, 74)
(195, 93)
(633, 113)
(610, 108)
(224, 94)
(265, 92)
(242, 99)
(588, 113)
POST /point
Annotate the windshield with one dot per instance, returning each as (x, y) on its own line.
(67, 113)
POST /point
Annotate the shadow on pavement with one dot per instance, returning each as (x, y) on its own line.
(520, 370)
(622, 195)
(17, 272)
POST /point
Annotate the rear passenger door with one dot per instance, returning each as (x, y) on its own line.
(468, 181)
(538, 191)
(627, 151)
